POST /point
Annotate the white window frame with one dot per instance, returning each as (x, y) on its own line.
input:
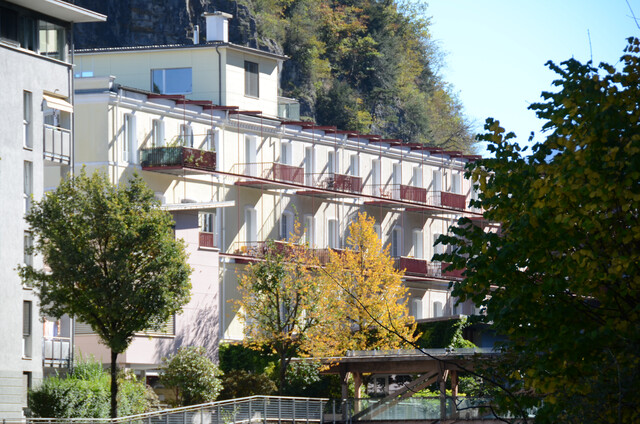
(354, 165)
(376, 177)
(396, 242)
(285, 153)
(333, 238)
(333, 162)
(456, 186)
(416, 177)
(250, 155)
(437, 180)
(418, 243)
(129, 139)
(309, 230)
(309, 165)
(251, 226)
(186, 135)
(27, 119)
(286, 225)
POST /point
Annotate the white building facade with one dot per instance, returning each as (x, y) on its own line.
(208, 140)
(36, 115)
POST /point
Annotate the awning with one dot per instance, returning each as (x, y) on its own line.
(58, 103)
(197, 206)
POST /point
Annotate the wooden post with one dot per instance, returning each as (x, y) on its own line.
(442, 377)
(454, 389)
(357, 382)
(344, 380)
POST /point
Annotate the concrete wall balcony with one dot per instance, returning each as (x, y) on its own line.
(176, 159)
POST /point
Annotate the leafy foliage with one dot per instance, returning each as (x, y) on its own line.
(369, 308)
(281, 300)
(365, 65)
(567, 256)
(236, 356)
(85, 394)
(113, 260)
(443, 334)
(195, 378)
(241, 383)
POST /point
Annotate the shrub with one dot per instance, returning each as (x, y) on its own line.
(86, 394)
(241, 383)
(193, 376)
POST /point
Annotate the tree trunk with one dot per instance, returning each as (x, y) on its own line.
(283, 371)
(114, 385)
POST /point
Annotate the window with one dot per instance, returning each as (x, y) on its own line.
(52, 40)
(437, 309)
(28, 244)
(171, 81)
(309, 165)
(28, 185)
(415, 308)
(285, 153)
(378, 230)
(209, 142)
(250, 226)
(26, 386)
(439, 248)
(396, 242)
(309, 230)
(8, 24)
(158, 133)
(250, 154)
(376, 177)
(437, 181)
(416, 178)
(130, 141)
(186, 135)
(26, 328)
(207, 222)
(418, 251)
(251, 79)
(332, 234)
(286, 225)
(455, 183)
(27, 113)
(354, 165)
(332, 165)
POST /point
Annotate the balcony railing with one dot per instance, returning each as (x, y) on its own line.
(177, 157)
(452, 200)
(424, 268)
(341, 182)
(420, 195)
(56, 351)
(206, 240)
(272, 171)
(57, 144)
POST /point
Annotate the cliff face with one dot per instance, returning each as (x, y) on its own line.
(153, 22)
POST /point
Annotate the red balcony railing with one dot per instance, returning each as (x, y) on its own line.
(413, 194)
(288, 173)
(342, 182)
(206, 240)
(424, 268)
(454, 274)
(452, 200)
(177, 157)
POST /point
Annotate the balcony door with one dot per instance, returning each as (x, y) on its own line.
(250, 153)
(251, 227)
(418, 246)
(309, 166)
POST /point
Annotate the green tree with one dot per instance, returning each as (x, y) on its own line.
(113, 261)
(561, 278)
(281, 301)
(193, 376)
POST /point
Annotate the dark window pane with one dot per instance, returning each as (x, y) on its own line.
(171, 81)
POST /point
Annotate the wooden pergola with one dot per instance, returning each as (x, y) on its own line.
(432, 365)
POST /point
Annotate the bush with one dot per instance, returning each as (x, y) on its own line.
(193, 376)
(443, 334)
(86, 394)
(239, 357)
(241, 383)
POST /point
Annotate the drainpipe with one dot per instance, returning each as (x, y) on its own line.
(219, 75)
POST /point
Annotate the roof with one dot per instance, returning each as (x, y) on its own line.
(211, 44)
(61, 10)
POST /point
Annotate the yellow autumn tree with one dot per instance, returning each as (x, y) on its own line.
(281, 300)
(366, 299)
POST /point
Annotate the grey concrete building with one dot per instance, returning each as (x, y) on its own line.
(36, 148)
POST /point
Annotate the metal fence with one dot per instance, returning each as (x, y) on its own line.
(254, 409)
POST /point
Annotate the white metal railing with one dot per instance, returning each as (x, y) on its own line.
(57, 144)
(254, 409)
(56, 351)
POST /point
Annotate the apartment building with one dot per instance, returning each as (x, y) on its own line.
(205, 128)
(36, 116)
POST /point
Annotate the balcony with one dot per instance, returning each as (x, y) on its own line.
(206, 240)
(57, 144)
(332, 185)
(268, 174)
(452, 200)
(416, 199)
(423, 268)
(56, 352)
(177, 159)
(412, 194)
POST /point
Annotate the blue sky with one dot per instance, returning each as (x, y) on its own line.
(496, 50)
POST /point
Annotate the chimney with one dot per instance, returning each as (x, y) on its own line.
(217, 26)
(196, 34)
